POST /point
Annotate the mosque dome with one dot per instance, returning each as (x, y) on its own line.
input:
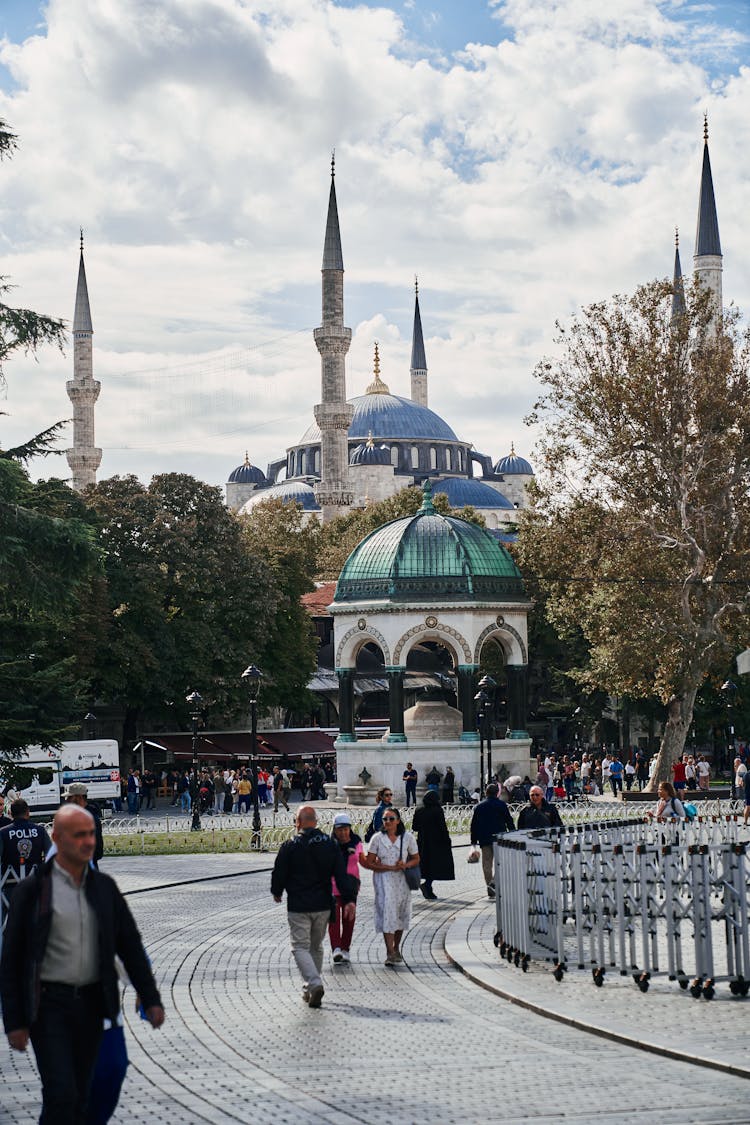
(513, 465)
(428, 556)
(289, 491)
(368, 453)
(246, 474)
(461, 492)
(389, 418)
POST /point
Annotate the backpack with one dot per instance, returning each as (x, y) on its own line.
(690, 810)
(370, 830)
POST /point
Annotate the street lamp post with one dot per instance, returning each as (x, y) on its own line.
(251, 678)
(89, 725)
(195, 703)
(730, 689)
(483, 700)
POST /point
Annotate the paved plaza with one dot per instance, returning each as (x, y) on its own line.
(442, 1039)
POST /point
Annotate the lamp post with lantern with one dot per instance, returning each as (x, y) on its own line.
(251, 678)
(484, 701)
(195, 703)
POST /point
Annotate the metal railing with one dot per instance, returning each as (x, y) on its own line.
(644, 899)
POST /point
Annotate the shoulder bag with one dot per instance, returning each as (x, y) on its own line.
(413, 875)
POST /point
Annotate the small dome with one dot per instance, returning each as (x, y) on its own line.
(368, 453)
(513, 464)
(461, 492)
(427, 556)
(246, 474)
(289, 491)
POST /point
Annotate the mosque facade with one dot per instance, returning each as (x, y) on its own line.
(369, 447)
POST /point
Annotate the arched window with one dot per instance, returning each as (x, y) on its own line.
(316, 468)
(299, 463)
(415, 457)
(449, 458)
(433, 457)
(394, 455)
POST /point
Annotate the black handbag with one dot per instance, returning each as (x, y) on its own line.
(413, 875)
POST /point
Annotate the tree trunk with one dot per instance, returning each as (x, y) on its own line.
(676, 728)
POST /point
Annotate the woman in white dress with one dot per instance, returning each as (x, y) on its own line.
(390, 851)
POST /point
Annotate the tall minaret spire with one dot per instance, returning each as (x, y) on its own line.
(707, 261)
(418, 360)
(678, 289)
(333, 414)
(83, 390)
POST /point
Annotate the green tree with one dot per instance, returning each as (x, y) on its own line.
(47, 556)
(639, 526)
(275, 534)
(186, 604)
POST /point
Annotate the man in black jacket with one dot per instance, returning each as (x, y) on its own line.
(58, 980)
(538, 813)
(490, 817)
(304, 867)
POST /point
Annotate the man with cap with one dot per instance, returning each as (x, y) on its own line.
(78, 794)
(341, 926)
(23, 846)
(305, 867)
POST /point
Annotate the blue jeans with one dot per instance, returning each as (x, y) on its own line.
(132, 803)
(185, 800)
(411, 793)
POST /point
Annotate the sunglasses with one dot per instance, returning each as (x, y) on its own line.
(389, 818)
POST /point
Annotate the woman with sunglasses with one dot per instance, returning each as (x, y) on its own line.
(391, 851)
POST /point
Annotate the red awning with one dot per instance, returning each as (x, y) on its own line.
(226, 745)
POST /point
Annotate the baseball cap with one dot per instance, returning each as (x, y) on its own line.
(342, 819)
(78, 789)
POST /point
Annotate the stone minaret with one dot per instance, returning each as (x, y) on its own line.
(83, 390)
(418, 361)
(678, 288)
(333, 414)
(707, 259)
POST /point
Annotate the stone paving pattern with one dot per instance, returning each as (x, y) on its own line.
(423, 1039)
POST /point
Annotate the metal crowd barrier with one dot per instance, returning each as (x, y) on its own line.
(663, 899)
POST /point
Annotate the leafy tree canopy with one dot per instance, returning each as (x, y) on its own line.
(639, 526)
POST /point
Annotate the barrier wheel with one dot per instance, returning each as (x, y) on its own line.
(503, 948)
(525, 964)
(735, 988)
(598, 975)
(696, 988)
(643, 981)
(708, 990)
(683, 983)
(496, 939)
(517, 958)
(745, 988)
(558, 973)
(510, 953)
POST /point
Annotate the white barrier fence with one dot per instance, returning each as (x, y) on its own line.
(666, 899)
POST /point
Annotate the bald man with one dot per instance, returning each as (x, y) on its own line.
(58, 980)
(304, 868)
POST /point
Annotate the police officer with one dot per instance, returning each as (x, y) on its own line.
(23, 846)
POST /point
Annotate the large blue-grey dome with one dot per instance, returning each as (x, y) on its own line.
(390, 417)
(290, 491)
(461, 492)
(246, 474)
(513, 465)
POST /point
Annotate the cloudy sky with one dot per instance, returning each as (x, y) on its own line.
(523, 157)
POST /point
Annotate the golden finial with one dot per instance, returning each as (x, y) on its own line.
(512, 450)
(677, 238)
(81, 239)
(247, 460)
(416, 286)
(705, 126)
(333, 162)
(377, 386)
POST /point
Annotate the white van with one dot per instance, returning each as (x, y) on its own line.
(95, 762)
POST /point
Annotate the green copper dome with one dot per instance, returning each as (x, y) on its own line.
(429, 556)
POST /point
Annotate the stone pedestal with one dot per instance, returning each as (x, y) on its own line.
(386, 761)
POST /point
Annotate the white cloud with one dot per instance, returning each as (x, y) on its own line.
(520, 179)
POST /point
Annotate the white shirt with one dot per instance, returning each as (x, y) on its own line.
(605, 767)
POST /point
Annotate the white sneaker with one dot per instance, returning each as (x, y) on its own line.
(338, 956)
(345, 956)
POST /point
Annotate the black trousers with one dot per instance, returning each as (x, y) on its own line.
(66, 1037)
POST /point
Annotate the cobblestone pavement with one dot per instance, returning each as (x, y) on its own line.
(423, 1039)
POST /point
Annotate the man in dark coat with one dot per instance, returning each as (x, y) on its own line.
(490, 817)
(538, 813)
(58, 980)
(433, 843)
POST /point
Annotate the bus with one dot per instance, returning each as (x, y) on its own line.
(95, 762)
